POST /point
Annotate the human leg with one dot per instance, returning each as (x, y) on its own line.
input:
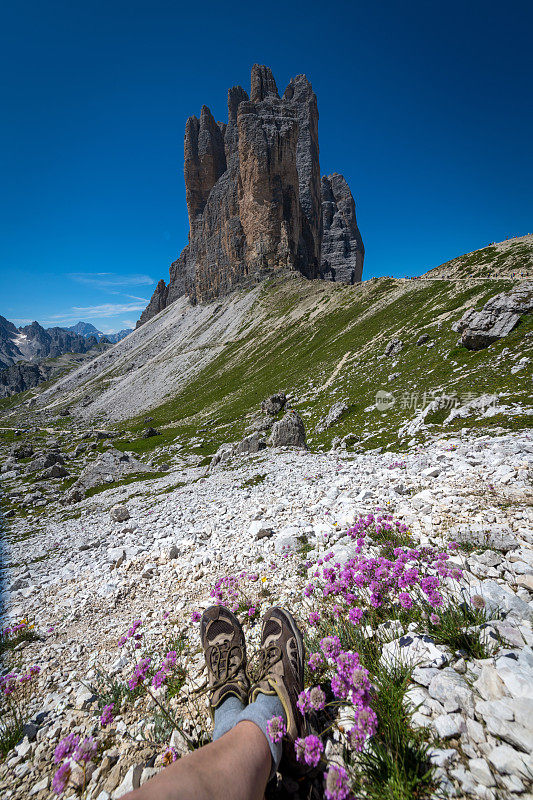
(235, 767)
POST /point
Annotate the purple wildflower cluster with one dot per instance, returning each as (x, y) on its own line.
(61, 778)
(66, 747)
(276, 729)
(169, 756)
(232, 591)
(227, 590)
(107, 715)
(139, 673)
(86, 750)
(414, 575)
(312, 699)
(10, 682)
(365, 725)
(309, 750)
(13, 631)
(163, 672)
(337, 783)
(133, 635)
(350, 683)
(350, 680)
(353, 591)
(72, 749)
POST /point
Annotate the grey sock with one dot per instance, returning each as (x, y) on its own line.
(265, 707)
(226, 716)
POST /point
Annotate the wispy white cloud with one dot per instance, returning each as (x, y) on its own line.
(93, 312)
(128, 323)
(106, 280)
(134, 297)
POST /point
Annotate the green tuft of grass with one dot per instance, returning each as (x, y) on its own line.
(11, 730)
(133, 478)
(10, 642)
(453, 629)
(255, 480)
(395, 765)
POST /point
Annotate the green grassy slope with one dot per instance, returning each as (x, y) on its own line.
(512, 257)
(308, 330)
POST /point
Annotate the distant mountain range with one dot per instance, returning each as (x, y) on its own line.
(86, 329)
(32, 343)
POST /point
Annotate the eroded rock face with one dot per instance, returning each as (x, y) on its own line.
(343, 251)
(157, 303)
(20, 377)
(274, 404)
(288, 431)
(255, 199)
(205, 161)
(496, 319)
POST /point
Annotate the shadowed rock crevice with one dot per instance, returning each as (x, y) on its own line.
(255, 199)
(342, 246)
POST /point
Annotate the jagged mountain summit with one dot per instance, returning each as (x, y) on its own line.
(255, 198)
(86, 329)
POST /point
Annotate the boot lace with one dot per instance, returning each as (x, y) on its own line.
(224, 662)
(266, 657)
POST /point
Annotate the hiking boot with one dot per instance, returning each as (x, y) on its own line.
(225, 655)
(281, 668)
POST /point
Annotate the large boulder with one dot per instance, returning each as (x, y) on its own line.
(22, 451)
(497, 318)
(149, 432)
(288, 431)
(45, 461)
(393, 347)
(119, 513)
(224, 454)
(251, 444)
(261, 424)
(335, 413)
(109, 467)
(55, 471)
(274, 404)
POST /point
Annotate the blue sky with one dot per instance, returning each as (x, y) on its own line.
(425, 108)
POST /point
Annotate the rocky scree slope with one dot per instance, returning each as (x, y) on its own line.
(160, 523)
(255, 198)
(85, 578)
